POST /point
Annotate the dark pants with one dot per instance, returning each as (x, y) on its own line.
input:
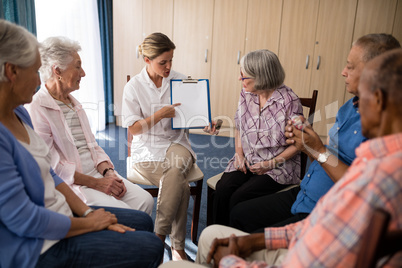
(236, 187)
(141, 248)
(266, 211)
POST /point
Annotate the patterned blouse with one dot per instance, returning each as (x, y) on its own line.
(262, 131)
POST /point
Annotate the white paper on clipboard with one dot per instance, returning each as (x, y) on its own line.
(194, 111)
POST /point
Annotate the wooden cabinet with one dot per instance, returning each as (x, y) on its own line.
(192, 35)
(240, 26)
(229, 32)
(212, 35)
(314, 58)
(133, 20)
(157, 17)
(127, 35)
(397, 28)
(373, 16)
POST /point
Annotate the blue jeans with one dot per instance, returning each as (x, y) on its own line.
(141, 248)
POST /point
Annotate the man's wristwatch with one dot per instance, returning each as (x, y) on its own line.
(323, 157)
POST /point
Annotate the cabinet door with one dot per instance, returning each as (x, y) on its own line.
(157, 17)
(373, 16)
(127, 35)
(229, 32)
(192, 35)
(397, 29)
(332, 44)
(296, 47)
(263, 25)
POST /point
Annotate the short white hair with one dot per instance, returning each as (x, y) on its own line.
(56, 52)
(17, 46)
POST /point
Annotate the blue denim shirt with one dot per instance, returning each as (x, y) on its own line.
(344, 137)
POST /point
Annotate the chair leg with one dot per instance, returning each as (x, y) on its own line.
(210, 201)
(196, 211)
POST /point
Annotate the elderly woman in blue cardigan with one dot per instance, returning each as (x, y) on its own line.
(42, 222)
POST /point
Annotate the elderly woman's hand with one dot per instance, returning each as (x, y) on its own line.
(101, 219)
(262, 167)
(111, 185)
(240, 163)
(305, 140)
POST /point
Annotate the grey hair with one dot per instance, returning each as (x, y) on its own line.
(387, 75)
(56, 52)
(266, 69)
(376, 44)
(17, 46)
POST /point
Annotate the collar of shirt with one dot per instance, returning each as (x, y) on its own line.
(165, 81)
(380, 147)
(275, 97)
(46, 100)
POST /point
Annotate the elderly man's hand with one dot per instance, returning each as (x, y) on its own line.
(305, 140)
(242, 246)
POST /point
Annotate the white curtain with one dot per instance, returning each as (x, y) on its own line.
(78, 20)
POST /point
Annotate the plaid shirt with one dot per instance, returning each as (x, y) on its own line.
(331, 235)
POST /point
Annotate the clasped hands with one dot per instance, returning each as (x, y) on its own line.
(259, 168)
(102, 219)
(241, 246)
(305, 140)
(111, 185)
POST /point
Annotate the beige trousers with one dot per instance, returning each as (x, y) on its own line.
(174, 192)
(271, 257)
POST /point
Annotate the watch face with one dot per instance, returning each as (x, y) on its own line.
(322, 158)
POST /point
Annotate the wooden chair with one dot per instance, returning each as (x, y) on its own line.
(195, 178)
(377, 242)
(211, 182)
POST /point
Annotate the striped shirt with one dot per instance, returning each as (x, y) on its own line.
(73, 122)
(331, 235)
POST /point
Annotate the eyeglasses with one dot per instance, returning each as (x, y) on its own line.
(244, 78)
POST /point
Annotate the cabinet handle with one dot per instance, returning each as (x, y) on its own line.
(307, 61)
(238, 57)
(318, 62)
(137, 54)
(206, 55)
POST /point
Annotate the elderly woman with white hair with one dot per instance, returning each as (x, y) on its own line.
(62, 122)
(263, 163)
(42, 222)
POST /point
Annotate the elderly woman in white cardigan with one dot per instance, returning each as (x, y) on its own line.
(61, 121)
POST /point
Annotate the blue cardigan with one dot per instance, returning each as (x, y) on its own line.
(24, 221)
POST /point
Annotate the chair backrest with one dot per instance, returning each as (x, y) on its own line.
(309, 103)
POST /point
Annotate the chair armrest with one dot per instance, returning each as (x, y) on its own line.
(211, 182)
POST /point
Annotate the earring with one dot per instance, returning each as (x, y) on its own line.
(59, 78)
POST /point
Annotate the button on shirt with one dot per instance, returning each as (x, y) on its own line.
(344, 137)
(141, 99)
(262, 131)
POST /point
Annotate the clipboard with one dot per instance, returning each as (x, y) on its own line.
(195, 108)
